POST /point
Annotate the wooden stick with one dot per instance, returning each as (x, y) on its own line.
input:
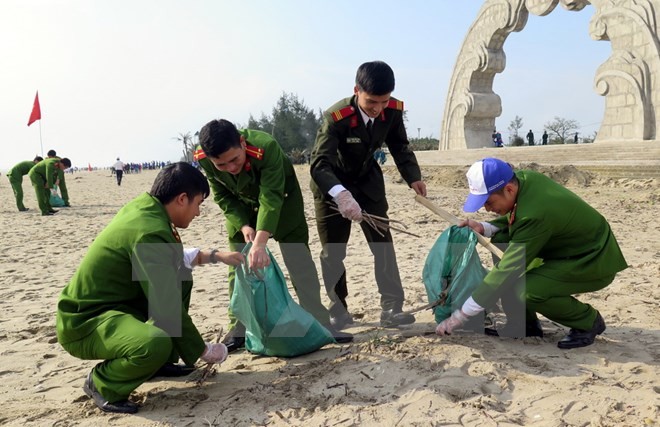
(454, 220)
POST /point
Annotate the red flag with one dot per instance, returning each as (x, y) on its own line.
(36, 111)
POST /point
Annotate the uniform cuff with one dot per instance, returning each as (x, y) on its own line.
(489, 229)
(336, 190)
(471, 308)
(189, 255)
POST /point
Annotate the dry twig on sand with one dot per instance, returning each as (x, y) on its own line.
(378, 223)
(208, 369)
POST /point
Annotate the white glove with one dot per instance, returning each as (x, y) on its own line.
(214, 353)
(348, 207)
(447, 326)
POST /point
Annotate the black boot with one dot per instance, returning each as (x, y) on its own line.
(120, 407)
(235, 338)
(390, 318)
(581, 338)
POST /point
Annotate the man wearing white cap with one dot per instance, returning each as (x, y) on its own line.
(539, 218)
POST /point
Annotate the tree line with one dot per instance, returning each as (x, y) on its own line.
(294, 125)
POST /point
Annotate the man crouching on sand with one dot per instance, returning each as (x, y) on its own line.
(538, 218)
(128, 301)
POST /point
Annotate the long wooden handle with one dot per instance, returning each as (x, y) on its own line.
(454, 220)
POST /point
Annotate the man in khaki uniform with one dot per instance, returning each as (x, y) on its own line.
(345, 174)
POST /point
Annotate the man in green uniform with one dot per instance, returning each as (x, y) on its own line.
(60, 181)
(539, 219)
(43, 177)
(15, 176)
(128, 301)
(345, 172)
(255, 185)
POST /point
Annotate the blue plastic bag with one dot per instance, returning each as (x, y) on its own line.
(453, 267)
(275, 325)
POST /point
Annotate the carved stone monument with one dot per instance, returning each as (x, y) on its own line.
(629, 79)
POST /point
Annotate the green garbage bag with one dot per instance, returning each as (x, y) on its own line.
(275, 325)
(55, 200)
(452, 266)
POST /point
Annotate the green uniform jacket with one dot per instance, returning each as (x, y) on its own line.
(47, 170)
(269, 187)
(118, 276)
(552, 223)
(20, 170)
(62, 186)
(344, 152)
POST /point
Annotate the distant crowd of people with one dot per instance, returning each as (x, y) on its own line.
(497, 138)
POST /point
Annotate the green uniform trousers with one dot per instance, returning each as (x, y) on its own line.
(552, 298)
(536, 293)
(133, 350)
(17, 186)
(302, 270)
(42, 193)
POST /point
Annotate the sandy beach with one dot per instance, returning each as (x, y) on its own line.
(387, 377)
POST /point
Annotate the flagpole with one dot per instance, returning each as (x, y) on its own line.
(40, 141)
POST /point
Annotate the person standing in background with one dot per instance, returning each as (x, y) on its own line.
(119, 170)
(530, 137)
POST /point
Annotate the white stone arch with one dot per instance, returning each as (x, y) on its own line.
(629, 79)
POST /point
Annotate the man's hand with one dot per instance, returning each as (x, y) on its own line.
(419, 187)
(447, 326)
(258, 257)
(475, 225)
(214, 353)
(348, 207)
(248, 233)
(231, 258)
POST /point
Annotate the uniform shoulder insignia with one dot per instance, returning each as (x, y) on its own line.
(395, 104)
(256, 152)
(199, 154)
(343, 113)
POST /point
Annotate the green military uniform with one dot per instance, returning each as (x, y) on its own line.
(344, 154)
(43, 176)
(62, 186)
(15, 176)
(120, 304)
(575, 242)
(266, 195)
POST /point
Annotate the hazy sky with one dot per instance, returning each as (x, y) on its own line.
(124, 78)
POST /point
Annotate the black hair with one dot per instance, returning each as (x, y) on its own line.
(177, 178)
(218, 136)
(38, 159)
(66, 162)
(513, 180)
(375, 78)
(51, 153)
